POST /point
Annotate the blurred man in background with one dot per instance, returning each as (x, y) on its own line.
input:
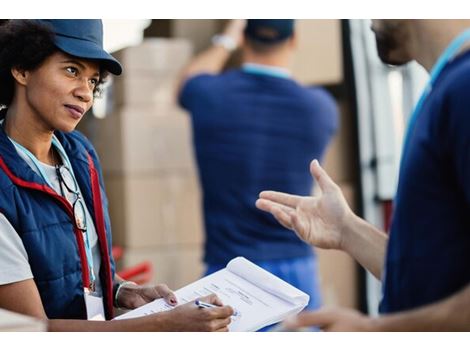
(255, 128)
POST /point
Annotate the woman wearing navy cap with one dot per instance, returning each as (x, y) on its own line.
(55, 236)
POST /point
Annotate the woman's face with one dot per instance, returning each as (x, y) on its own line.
(60, 91)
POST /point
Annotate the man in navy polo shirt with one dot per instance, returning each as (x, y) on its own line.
(425, 262)
(254, 128)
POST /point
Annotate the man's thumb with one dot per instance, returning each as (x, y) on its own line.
(320, 175)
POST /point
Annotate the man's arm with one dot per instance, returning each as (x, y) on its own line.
(449, 314)
(213, 59)
(366, 244)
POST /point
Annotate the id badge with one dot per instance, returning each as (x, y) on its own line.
(94, 306)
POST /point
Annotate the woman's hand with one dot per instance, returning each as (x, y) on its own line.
(189, 317)
(132, 296)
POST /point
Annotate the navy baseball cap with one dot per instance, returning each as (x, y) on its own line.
(83, 39)
(269, 31)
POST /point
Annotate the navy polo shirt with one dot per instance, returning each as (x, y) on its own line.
(428, 254)
(254, 132)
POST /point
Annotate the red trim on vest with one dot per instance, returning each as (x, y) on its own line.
(101, 231)
(46, 189)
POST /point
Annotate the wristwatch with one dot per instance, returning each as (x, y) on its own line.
(224, 41)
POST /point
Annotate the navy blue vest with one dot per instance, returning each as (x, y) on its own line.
(44, 221)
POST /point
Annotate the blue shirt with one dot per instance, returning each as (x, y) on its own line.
(254, 132)
(428, 254)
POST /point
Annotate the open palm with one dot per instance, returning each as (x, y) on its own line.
(316, 220)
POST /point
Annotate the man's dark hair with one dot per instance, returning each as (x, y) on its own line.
(24, 44)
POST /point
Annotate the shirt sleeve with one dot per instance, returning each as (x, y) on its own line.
(14, 265)
(457, 113)
(193, 90)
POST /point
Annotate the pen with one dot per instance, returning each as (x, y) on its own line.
(202, 304)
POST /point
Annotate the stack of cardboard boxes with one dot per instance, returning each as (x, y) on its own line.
(146, 153)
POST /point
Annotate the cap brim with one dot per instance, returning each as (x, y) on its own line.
(88, 50)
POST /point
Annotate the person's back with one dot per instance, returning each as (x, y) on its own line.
(253, 129)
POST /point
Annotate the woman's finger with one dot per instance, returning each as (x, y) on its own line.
(164, 292)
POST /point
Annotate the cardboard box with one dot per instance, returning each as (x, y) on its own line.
(174, 266)
(156, 210)
(152, 89)
(318, 58)
(156, 55)
(339, 160)
(199, 31)
(136, 141)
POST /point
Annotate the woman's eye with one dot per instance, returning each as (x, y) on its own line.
(94, 81)
(72, 70)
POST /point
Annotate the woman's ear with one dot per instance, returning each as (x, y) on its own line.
(20, 75)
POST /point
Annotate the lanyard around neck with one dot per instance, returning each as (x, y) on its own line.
(446, 57)
(37, 163)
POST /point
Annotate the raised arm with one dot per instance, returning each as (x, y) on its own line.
(213, 59)
(328, 222)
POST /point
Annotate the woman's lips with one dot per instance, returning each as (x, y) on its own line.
(75, 111)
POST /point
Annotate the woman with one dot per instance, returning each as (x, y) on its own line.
(55, 236)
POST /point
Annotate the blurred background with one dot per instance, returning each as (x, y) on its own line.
(144, 142)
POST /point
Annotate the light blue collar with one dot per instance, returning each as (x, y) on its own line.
(266, 70)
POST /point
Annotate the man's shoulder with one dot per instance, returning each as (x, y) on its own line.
(318, 93)
(316, 96)
(203, 79)
(198, 89)
(457, 79)
(452, 90)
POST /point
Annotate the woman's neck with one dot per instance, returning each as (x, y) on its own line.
(31, 134)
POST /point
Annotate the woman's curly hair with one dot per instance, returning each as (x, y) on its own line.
(25, 44)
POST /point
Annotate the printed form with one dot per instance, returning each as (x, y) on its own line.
(258, 297)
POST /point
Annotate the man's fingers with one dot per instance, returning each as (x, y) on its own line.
(319, 318)
(320, 175)
(281, 198)
(298, 227)
(282, 213)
